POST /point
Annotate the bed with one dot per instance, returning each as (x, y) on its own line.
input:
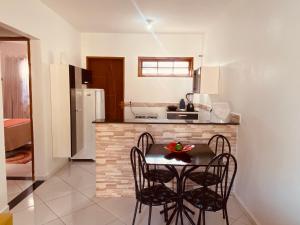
(17, 133)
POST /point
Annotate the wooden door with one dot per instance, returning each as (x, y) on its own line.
(108, 74)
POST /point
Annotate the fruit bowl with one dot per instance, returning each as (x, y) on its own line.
(177, 147)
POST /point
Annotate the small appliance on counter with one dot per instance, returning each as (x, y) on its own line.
(172, 108)
(182, 115)
(190, 106)
(182, 105)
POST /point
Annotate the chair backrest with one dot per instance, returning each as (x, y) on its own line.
(226, 168)
(139, 168)
(219, 143)
(145, 140)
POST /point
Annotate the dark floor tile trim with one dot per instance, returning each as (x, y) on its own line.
(82, 160)
(18, 178)
(24, 194)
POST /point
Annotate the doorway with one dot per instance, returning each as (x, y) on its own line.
(17, 110)
(108, 74)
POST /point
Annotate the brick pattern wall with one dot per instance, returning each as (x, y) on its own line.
(114, 141)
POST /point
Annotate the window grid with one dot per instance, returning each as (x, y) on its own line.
(165, 66)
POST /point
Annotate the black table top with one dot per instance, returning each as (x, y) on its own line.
(201, 155)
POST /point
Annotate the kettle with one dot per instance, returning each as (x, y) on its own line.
(190, 106)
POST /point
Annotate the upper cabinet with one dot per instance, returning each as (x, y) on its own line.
(206, 80)
(86, 76)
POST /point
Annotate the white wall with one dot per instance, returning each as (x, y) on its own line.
(3, 195)
(258, 44)
(54, 37)
(131, 46)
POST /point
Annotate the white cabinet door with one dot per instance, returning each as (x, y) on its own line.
(60, 110)
(210, 77)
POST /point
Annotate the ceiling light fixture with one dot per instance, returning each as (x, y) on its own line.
(149, 23)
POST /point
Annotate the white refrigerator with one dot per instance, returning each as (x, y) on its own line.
(93, 108)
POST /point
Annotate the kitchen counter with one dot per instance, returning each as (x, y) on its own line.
(172, 121)
(114, 141)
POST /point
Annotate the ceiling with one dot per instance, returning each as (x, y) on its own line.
(128, 16)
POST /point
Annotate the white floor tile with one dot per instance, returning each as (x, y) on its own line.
(29, 201)
(55, 222)
(24, 184)
(12, 196)
(77, 177)
(122, 208)
(89, 192)
(12, 187)
(52, 189)
(88, 166)
(116, 222)
(92, 215)
(234, 209)
(142, 218)
(69, 203)
(35, 215)
(215, 218)
(243, 220)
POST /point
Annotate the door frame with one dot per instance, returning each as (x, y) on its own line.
(123, 81)
(20, 38)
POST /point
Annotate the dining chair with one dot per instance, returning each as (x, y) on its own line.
(155, 174)
(144, 142)
(219, 144)
(149, 193)
(208, 198)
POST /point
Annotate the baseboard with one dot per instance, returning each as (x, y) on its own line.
(5, 209)
(82, 160)
(246, 210)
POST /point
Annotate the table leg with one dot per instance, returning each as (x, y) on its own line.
(180, 208)
(167, 208)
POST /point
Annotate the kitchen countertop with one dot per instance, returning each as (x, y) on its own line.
(170, 121)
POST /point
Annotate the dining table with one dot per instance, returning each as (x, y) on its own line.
(179, 163)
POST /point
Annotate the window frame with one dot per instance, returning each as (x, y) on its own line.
(142, 59)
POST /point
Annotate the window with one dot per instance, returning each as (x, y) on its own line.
(165, 66)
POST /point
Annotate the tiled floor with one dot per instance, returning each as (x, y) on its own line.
(15, 187)
(69, 198)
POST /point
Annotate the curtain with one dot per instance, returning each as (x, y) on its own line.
(15, 81)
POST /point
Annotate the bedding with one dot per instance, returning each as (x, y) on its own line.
(17, 133)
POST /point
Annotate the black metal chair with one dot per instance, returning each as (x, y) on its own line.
(150, 194)
(209, 198)
(219, 144)
(155, 174)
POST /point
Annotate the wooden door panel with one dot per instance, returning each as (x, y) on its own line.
(112, 109)
(108, 74)
(98, 82)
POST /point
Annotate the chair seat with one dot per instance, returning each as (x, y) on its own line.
(156, 195)
(204, 179)
(159, 175)
(204, 199)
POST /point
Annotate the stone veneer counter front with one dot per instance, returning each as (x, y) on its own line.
(114, 141)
